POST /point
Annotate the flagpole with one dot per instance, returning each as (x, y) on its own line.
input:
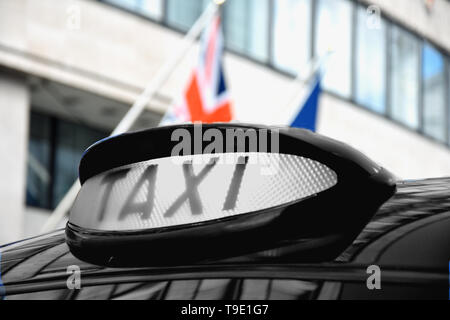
(140, 104)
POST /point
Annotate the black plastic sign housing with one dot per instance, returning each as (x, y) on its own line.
(315, 229)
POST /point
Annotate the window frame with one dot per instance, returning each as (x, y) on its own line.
(310, 35)
(53, 122)
(446, 140)
(267, 59)
(354, 5)
(389, 107)
(385, 55)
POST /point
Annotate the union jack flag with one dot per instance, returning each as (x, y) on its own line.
(205, 98)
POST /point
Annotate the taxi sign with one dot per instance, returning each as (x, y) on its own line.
(192, 193)
(160, 193)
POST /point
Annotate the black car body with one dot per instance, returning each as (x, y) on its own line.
(408, 239)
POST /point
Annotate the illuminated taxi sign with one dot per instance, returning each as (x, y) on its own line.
(161, 193)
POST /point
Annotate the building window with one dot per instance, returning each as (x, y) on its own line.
(182, 14)
(38, 173)
(247, 27)
(291, 35)
(150, 8)
(71, 142)
(54, 152)
(333, 25)
(404, 77)
(434, 104)
(370, 73)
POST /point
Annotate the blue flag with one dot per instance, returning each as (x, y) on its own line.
(307, 117)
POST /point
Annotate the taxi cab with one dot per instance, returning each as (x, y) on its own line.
(237, 212)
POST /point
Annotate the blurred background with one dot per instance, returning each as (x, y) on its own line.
(70, 69)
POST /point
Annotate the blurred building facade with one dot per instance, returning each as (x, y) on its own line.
(70, 69)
